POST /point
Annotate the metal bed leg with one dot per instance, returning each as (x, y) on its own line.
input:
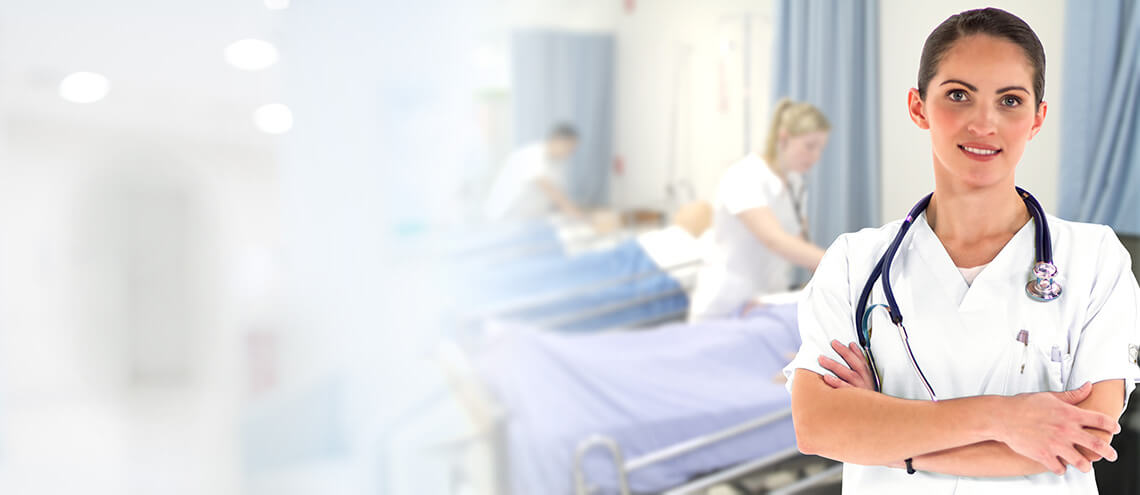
(580, 487)
(828, 475)
(499, 457)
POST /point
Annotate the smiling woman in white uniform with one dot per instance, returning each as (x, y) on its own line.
(759, 230)
(1027, 393)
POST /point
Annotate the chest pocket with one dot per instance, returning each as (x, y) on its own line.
(1038, 355)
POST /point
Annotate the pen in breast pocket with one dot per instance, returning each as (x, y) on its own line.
(1023, 337)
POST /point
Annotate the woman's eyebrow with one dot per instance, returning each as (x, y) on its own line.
(1012, 88)
(968, 86)
(971, 87)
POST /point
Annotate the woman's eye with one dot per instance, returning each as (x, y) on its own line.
(956, 95)
(1010, 101)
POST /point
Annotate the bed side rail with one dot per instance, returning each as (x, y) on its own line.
(624, 468)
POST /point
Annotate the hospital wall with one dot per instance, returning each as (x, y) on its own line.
(679, 93)
(361, 307)
(680, 97)
(906, 157)
(692, 77)
(132, 264)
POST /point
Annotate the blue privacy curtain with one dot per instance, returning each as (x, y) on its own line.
(827, 54)
(559, 76)
(1100, 153)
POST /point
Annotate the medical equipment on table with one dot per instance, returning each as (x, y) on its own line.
(1043, 287)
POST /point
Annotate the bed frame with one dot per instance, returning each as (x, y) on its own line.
(490, 431)
(623, 467)
(491, 418)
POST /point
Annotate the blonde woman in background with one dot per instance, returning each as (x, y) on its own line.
(759, 229)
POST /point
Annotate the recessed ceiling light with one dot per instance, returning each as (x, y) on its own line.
(251, 54)
(84, 87)
(276, 4)
(274, 118)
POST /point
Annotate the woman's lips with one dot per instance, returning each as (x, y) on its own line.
(980, 153)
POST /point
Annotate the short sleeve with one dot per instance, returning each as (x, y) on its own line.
(748, 185)
(1106, 349)
(825, 312)
(532, 168)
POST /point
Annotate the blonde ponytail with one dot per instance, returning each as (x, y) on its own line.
(793, 119)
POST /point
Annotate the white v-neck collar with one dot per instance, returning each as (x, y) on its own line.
(968, 297)
(971, 273)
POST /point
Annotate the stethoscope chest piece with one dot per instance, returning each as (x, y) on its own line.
(1043, 287)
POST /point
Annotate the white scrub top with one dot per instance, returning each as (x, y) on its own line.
(738, 266)
(965, 336)
(515, 194)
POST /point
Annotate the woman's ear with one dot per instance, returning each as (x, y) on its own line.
(1038, 119)
(917, 109)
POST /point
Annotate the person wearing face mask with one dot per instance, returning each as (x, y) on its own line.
(760, 228)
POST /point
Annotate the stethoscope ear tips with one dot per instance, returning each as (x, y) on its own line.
(1043, 287)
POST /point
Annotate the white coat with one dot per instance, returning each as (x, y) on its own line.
(965, 336)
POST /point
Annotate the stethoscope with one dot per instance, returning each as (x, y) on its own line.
(1043, 286)
(798, 205)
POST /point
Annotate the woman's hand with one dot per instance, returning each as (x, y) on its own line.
(1047, 427)
(856, 373)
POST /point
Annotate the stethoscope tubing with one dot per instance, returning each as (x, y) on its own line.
(1043, 251)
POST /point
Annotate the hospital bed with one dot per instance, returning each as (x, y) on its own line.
(641, 281)
(676, 409)
(672, 410)
(555, 237)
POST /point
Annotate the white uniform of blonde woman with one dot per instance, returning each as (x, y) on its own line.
(759, 231)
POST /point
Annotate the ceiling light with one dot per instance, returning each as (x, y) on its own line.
(84, 87)
(251, 54)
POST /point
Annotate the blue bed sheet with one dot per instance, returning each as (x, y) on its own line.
(646, 390)
(525, 277)
(551, 276)
(651, 293)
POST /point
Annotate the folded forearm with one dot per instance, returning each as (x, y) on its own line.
(985, 459)
(869, 428)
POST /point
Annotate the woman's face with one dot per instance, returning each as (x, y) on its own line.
(799, 153)
(980, 111)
